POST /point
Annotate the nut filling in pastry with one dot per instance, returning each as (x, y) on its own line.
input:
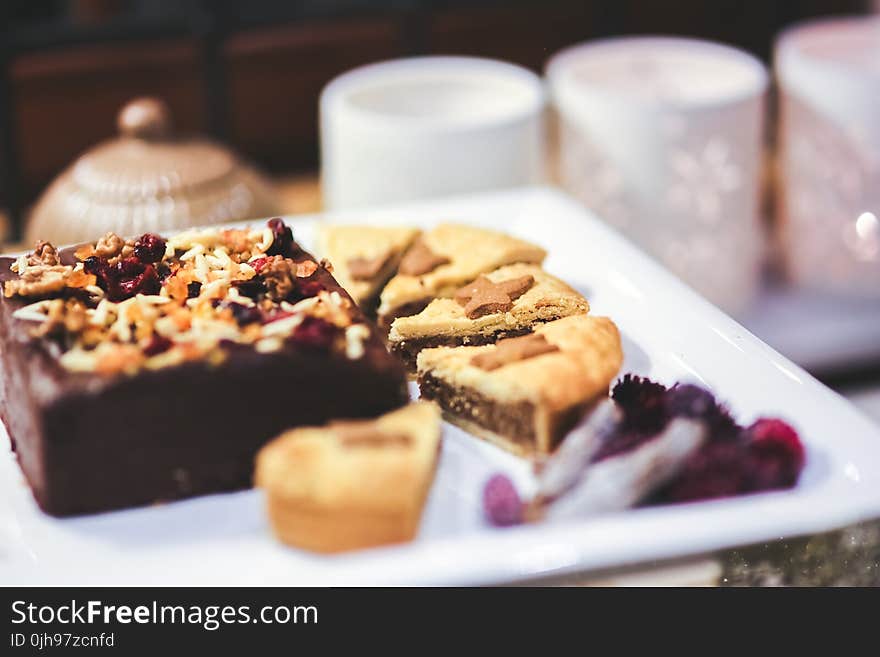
(525, 393)
(511, 301)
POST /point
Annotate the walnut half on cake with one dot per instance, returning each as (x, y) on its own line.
(351, 484)
(525, 393)
(512, 300)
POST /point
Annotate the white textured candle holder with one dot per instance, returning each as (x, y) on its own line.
(829, 79)
(662, 138)
(429, 126)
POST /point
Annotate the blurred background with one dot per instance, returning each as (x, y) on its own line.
(249, 76)
(250, 73)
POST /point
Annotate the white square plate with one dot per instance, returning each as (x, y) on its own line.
(669, 333)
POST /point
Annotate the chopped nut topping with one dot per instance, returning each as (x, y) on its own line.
(39, 273)
(38, 281)
(278, 275)
(169, 301)
(43, 254)
(306, 268)
(63, 315)
(109, 246)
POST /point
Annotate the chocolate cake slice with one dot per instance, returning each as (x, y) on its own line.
(143, 371)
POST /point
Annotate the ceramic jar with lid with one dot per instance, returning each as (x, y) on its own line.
(148, 180)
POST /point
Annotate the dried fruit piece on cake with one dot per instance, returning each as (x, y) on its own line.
(145, 370)
(445, 258)
(512, 300)
(364, 258)
(525, 393)
(352, 484)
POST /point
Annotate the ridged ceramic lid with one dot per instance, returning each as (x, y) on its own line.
(149, 180)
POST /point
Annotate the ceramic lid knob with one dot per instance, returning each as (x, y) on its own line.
(149, 179)
(145, 118)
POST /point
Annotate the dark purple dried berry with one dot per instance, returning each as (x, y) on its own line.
(283, 244)
(243, 314)
(145, 282)
(692, 401)
(129, 267)
(718, 469)
(158, 344)
(314, 333)
(643, 403)
(193, 289)
(125, 279)
(502, 505)
(253, 288)
(94, 265)
(619, 442)
(149, 248)
(305, 289)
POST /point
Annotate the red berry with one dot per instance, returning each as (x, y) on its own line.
(125, 279)
(776, 453)
(718, 469)
(501, 502)
(258, 264)
(149, 248)
(314, 333)
(305, 289)
(144, 282)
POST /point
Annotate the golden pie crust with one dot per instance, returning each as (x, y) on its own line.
(342, 245)
(556, 386)
(331, 489)
(547, 299)
(471, 251)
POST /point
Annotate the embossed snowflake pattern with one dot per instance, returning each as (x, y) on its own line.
(704, 180)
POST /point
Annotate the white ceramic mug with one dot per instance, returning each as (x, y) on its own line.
(829, 80)
(662, 138)
(427, 127)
